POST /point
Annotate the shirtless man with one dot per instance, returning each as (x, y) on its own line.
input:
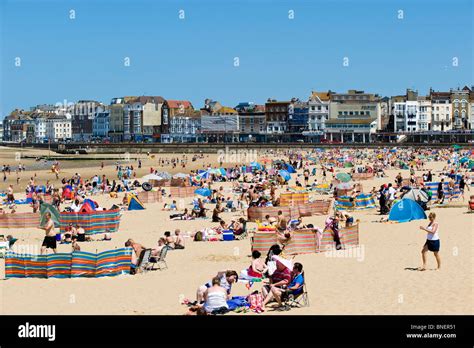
(50, 238)
(179, 242)
(170, 242)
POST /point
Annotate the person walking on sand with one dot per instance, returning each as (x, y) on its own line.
(50, 238)
(432, 241)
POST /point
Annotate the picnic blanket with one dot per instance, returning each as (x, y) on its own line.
(69, 265)
(19, 220)
(92, 222)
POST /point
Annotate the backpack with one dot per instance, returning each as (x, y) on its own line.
(198, 236)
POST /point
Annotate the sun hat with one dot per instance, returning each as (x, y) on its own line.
(285, 262)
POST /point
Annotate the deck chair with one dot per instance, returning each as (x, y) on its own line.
(297, 301)
(244, 233)
(159, 261)
(143, 261)
(3, 249)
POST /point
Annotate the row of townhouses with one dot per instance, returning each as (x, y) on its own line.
(354, 116)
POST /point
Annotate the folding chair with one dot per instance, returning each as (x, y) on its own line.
(297, 301)
(143, 261)
(159, 261)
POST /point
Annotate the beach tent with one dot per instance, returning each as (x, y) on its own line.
(285, 175)
(290, 169)
(68, 192)
(203, 191)
(406, 210)
(49, 208)
(86, 208)
(134, 203)
(417, 195)
(91, 203)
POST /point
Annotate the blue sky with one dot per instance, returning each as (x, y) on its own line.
(193, 58)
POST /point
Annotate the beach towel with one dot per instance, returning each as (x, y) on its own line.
(236, 302)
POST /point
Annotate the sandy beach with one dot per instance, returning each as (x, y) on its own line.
(377, 277)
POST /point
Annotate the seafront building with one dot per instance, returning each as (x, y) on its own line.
(326, 116)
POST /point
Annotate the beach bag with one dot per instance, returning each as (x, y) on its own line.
(256, 301)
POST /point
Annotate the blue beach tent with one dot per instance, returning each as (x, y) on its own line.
(406, 210)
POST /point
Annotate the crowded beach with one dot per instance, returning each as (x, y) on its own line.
(317, 231)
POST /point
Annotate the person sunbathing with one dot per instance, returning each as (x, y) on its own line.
(179, 242)
(184, 216)
(258, 267)
(161, 244)
(237, 226)
(75, 246)
(169, 240)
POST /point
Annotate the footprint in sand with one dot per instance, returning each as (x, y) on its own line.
(219, 258)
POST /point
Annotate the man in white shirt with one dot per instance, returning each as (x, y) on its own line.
(391, 194)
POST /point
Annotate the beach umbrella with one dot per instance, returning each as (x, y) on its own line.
(345, 186)
(180, 175)
(222, 171)
(464, 160)
(456, 147)
(344, 177)
(287, 263)
(204, 173)
(152, 177)
(203, 191)
(285, 175)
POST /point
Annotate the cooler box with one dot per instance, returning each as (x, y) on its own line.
(227, 235)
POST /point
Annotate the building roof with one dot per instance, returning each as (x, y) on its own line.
(226, 110)
(323, 96)
(150, 99)
(175, 104)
